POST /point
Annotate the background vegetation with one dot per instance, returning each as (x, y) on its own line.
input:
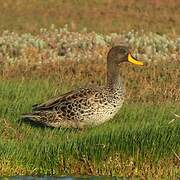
(103, 16)
(39, 61)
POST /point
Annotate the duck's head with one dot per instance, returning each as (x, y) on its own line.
(119, 54)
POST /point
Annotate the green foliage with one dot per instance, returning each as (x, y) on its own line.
(57, 44)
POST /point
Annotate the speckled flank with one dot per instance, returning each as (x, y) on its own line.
(86, 107)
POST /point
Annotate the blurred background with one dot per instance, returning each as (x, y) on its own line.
(103, 16)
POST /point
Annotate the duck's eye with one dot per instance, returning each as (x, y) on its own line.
(122, 51)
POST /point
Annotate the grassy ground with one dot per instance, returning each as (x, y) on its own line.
(103, 16)
(140, 141)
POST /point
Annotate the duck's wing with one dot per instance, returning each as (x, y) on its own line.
(52, 102)
(83, 93)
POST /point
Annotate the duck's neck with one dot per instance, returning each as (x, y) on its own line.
(114, 80)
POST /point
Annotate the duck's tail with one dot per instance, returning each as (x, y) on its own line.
(32, 118)
(38, 117)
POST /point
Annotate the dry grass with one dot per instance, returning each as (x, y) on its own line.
(155, 82)
(98, 15)
(116, 166)
(112, 166)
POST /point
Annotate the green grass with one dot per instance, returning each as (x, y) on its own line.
(138, 138)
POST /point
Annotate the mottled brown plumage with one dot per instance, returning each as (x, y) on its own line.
(86, 107)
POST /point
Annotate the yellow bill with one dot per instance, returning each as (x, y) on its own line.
(133, 60)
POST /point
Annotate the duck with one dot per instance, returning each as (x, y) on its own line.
(89, 106)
